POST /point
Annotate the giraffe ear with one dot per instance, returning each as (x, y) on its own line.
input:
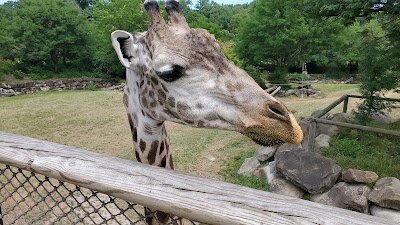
(124, 46)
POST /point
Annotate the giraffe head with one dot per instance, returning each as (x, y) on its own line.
(182, 75)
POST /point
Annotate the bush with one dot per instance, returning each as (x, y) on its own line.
(258, 76)
(18, 74)
(298, 76)
(6, 67)
(40, 76)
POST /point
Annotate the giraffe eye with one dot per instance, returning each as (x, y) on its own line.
(171, 75)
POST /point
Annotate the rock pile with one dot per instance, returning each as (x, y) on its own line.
(294, 171)
(301, 91)
(7, 90)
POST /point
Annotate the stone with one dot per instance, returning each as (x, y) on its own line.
(280, 93)
(264, 153)
(290, 92)
(386, 193)
(267, 172)
(284, 187)
(382, 118)
(330, 130)
(359, 176)
(248, 166)
(384, 213)
(308, 170)
(287, 147)
(322, 142)
(346, 196)
(341, 117)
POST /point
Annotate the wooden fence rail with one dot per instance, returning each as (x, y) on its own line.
(345, 99)
(192, 197)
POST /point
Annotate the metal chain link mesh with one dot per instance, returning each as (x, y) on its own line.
(29, 198)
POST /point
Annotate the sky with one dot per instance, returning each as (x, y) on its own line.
(217, 1)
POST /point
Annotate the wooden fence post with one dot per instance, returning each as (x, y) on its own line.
(311, 135)
(345, 104)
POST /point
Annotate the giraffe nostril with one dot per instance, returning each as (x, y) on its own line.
(278, 111)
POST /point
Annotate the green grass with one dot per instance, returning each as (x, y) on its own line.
(231, 168)
(367, 151)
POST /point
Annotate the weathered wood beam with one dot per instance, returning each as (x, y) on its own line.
(192, 197)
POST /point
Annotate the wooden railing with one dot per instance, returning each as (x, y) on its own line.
(345, 99)
(196, 198)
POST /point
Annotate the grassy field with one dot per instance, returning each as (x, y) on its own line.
(96, 121)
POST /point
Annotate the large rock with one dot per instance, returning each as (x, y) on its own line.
(359, 176)
(322, 142)
(385, 213)
(386, 193)
(382, 118)
(346, 196)
(290, 92)
(341, 117)
(308, 170)
(264, 153)
(287, 147)
(248, 166)
(326, 129)
(284, 187)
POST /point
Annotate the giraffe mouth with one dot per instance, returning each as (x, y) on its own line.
(261, 138)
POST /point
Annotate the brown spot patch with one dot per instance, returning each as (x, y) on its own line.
(161, 96)
(171, 102)
(153, 152)
(182, 108)
(142, 145)
(154, 80)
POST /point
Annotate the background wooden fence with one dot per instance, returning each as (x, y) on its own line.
(345, 99)
(196, 198)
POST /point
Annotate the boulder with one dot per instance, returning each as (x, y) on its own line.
(385, 213)
(386, 193)
(248, 166)
(346, 196)
(264, 153)
(322, 142)
(284, 187)
(382, 118)
(359, 176)
(341, 117)
(287, 147)
(330, 130)
(308, 170)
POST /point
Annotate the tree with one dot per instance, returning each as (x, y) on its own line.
(51, 35)
(378, 72)
(109, 16)
(275, 34)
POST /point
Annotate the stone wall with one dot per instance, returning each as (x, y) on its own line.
(294, 171)
(7, 90)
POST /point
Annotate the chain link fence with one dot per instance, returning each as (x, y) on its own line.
(30, 198)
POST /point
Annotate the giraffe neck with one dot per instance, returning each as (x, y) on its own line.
(149, 135)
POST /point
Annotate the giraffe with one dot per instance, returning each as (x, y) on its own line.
(175, 73)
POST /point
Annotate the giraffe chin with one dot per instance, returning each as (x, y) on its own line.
(263, 140)
(259, 136)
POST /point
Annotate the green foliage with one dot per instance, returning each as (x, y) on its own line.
(298, 77)
(377, 71)
(90, 86)
(18, 74)
(259, 77)
(367, 151)
(7, 66)
(51, 35)
(272, 32)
